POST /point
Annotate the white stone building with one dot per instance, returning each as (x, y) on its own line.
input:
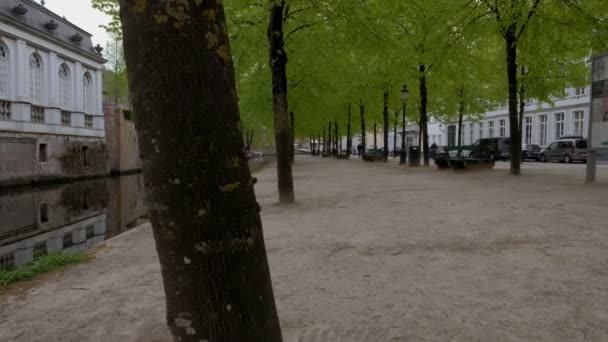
(543, 123)
(51, 118)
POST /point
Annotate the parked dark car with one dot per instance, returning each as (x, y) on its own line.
(565, 150)
(530, 151)
(492, 148)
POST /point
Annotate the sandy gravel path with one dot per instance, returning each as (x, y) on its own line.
(375, 252)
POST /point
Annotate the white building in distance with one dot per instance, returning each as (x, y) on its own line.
(51, 118)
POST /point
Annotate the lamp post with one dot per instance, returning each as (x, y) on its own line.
(402, 154)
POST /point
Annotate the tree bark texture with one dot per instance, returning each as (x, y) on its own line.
(200, 197)
(385, 130)
(336, 138)
(330, 140)
(424, 120)
(278, 70)
(395, 135)
(511, 46)
(292, 136)
(375, 137)
(363, 135)
(403, 128)
(349, 141)
(324, 143)
(460, 117)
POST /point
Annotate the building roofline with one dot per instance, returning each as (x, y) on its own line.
(80, 51)
(57, 16)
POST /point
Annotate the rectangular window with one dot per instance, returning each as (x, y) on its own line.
(579, 91)
(7, 261)
(67, 240)
(42, 153)
(528, 130)
(40, 250)
(88, 121)
(451, 135)
(579, 117)
(85, 149)
(503, 127)
(37, 114)
(66, 118)
(542, 129)
(559, 125)
(90, 232)
(5, 110)
(44, 212)
(471, 134)
(481, 130)
(490, 129)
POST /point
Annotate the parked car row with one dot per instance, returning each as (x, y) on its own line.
(566, 149)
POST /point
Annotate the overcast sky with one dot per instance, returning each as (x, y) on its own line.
(82, 14)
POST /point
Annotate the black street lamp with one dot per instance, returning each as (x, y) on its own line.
(402, 154)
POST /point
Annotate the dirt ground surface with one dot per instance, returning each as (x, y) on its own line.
(375, 252)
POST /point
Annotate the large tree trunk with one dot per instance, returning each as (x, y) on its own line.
(278, 69)
(423, 114)
(511, 47)
(349, 141)
(385, 118)
(200, 196)
(363, 129)
(292, 137)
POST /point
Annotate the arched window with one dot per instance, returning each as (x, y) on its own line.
(64, 86)
(35, 78)
(87, 92)
(3, 70)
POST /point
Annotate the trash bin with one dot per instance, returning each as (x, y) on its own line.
(414, 154)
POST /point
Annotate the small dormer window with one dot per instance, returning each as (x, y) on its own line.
(20, 10)
(51, 25)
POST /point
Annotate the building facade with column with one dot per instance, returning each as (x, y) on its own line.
(51, 118)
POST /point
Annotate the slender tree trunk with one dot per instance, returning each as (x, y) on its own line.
(419, 133)
(278, 69)
(336, 150)
(402, 155)
(319, 145)
(395, 135)
(349, 141)
(312, 146)
(460, 117)
(330, 151)
(292, 136)
(385, 119)
(511, 47)
(375, 137)
(522, 108)
(324, 143)
(199, 190)
(423, 114)
(363, 129)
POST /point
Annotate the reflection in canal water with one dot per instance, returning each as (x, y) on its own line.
(70, 217)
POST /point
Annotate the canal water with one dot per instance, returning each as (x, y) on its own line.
(70, 217)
